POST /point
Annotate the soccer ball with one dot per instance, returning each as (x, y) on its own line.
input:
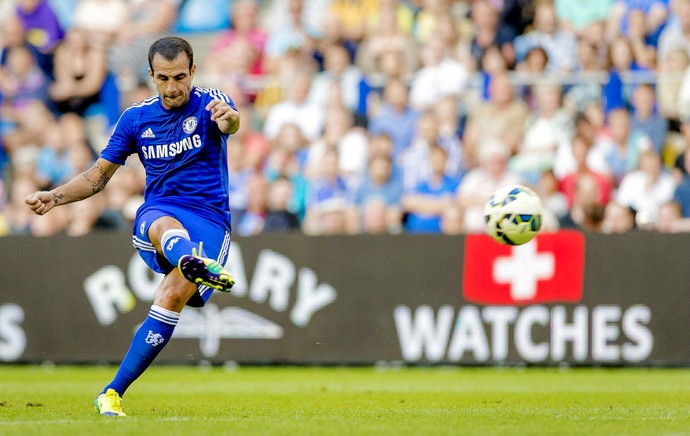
(513, 215)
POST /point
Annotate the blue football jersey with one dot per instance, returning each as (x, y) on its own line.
(183, 151)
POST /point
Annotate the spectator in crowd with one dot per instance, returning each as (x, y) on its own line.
(124, 195)
(331, 34)
(673, 92)
(21, 79)
(81, 68)
(415, 162)
(100, 19)
(481, 182)
(339, 72)
(450, 129)
(641, 44)
(488, 33)
(389, 66)
(534, 63)
(586, 91)
(581, 16)
(404, 16)
(349, 141)
(618, 153)
(396, 119)
(587, 211)
(646, 188)
(645, 119)
(297, 109)
(388, 36)
(255, 147)
(616, 92)
(292, 35)
(380, 184)
(440, 76)
(51, 227)
(354, 16)
(251, 220)
(203, 16)
(233, 72)
(328, 198)
(682, 193)
(670, 219)
(90, 216)
(42, 29)
(374, 219)
(145, 21)
(654, 12)
(428, 17)
(65, 152)
(675, 155)
(30, 128)
(13, 35)
(279, 217)
(547, 129)
(618, 219)
(424, 206)
(239, 174)
(515, 15)
(287, 158)
(560, 45)
(16, 219)
(496, 118)
(677, 33)
(568, 184)
(452, 220)
(450, 32)
(288, 154)
(245, 32)
(554, 201)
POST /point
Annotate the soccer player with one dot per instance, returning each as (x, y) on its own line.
(180, 136)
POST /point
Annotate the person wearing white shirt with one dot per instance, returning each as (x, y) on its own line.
(646, 188)
(441, 76)
(296, 109)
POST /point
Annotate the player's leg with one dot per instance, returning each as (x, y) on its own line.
(153, 335)
(171, 239)
(171, 296)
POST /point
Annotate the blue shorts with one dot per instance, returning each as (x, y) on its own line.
(215, 236)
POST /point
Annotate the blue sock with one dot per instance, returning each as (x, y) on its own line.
(148, 341)
(175, 244)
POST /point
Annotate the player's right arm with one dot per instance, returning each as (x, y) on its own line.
(86, 184)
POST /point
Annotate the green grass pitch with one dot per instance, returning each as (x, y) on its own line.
(350, 401)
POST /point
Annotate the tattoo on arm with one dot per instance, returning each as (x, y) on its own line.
(57, 198)
(101, 177)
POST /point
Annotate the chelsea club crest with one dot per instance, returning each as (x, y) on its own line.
(189, 125)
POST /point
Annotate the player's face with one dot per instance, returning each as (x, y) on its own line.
(172, 79)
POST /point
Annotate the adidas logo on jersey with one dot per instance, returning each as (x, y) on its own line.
(148, 133)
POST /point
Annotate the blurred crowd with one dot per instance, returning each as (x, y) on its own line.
(366, 116)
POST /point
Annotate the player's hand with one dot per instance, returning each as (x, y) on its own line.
(227, 118)
(40, 202)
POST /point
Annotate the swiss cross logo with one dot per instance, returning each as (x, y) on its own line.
(549, 269)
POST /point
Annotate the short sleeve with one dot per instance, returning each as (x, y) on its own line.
(219, 95)
(122, 142)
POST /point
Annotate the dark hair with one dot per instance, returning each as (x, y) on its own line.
(169, 47)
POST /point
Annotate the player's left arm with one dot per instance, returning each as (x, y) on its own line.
(227, 118)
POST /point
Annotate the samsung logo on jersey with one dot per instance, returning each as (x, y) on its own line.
(163, 151)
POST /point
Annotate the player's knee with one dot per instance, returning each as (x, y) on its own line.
(175, 295)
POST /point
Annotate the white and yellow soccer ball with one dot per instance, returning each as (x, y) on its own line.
(513, 215)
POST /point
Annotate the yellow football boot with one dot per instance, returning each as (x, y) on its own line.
(108, 404)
